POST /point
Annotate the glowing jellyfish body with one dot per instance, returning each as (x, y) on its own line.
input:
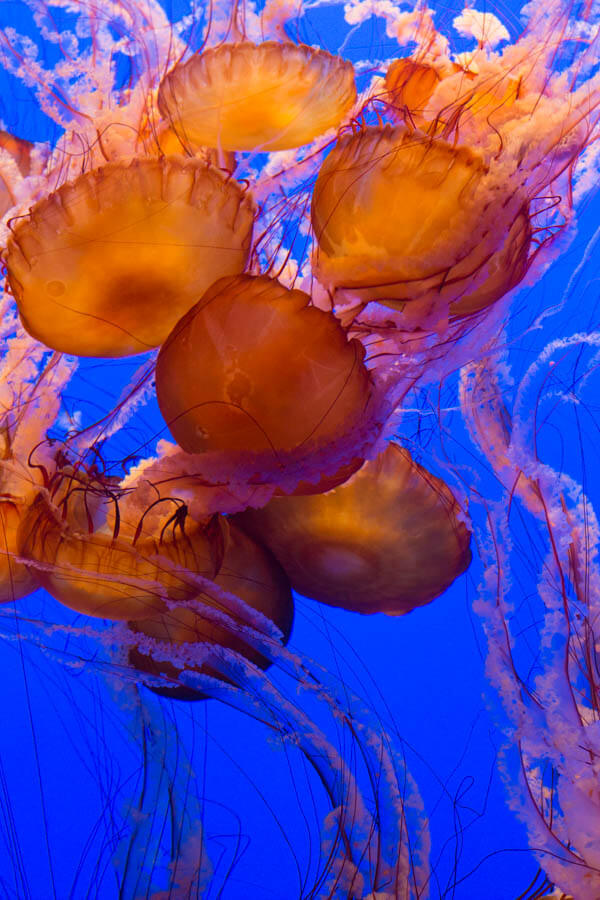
(269, 96)
(400, 217)
(89, 570)
(259, 381)
(247, 571)
(387, 540)
(107, 264)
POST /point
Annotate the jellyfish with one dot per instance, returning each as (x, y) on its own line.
(106, 265)
(413, 203)
(274, 95)
(388, 540)
(79, 560)
(410, 84)
(260, 383)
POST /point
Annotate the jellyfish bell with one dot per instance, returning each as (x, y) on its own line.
(245, 96)
(438, 219)
(248, 571)
(264, 387)
(403, 219)
(388, 540)
(107, 264)
(75, 554)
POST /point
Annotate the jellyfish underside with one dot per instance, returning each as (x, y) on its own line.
(387, 540)
(269, 96)
(109, 263)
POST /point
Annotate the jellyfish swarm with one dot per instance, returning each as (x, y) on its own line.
(92, 565)
(494, 138)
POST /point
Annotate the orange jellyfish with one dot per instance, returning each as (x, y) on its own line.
(388, 540)
(409, 85)
(468, 95)
(258, 381)
(70, 541)
(20, 152)
(400, 217)
(269, 96)
(107, 264)
(248, 571)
